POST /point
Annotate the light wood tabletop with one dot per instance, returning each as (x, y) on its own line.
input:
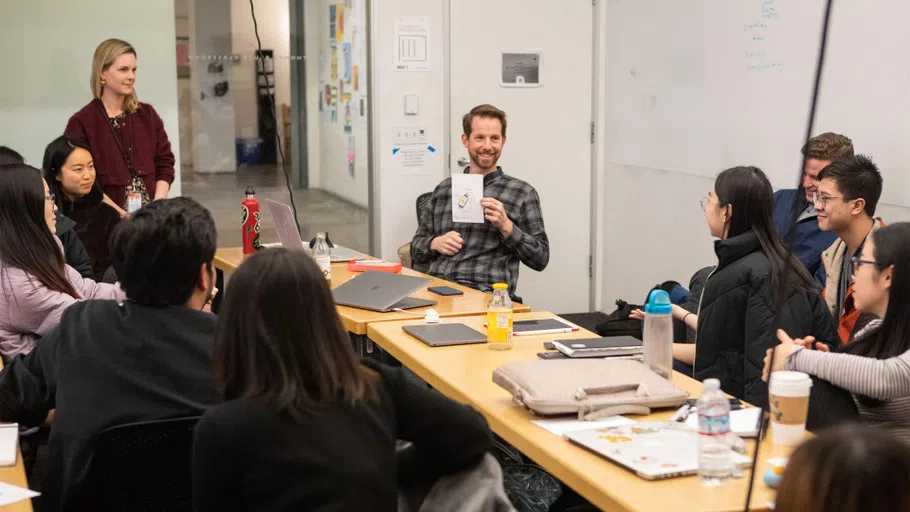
(15, 475)
(464, 373)
(355, 320)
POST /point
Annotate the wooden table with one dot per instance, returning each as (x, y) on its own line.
(15, 475)
(356, 320)
(464, 374)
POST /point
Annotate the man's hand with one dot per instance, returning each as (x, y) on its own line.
(494, 212)
(448, 244)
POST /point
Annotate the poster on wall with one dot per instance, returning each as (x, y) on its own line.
(346, 58)
(412, 41)
(520, 69)
(356, 77)
(339, 22)
(332, 22)
(351, 154)
(334, 58)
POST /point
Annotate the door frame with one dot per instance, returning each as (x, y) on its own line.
(595, 225)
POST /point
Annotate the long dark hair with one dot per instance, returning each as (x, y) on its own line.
(27, 243)
(55, 156)
(749, 191)
(279, 339)
(847, 469)
(892, 248)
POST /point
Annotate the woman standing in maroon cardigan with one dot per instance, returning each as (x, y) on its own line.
(133, 156)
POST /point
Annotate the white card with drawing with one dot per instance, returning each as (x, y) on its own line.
(467, 189)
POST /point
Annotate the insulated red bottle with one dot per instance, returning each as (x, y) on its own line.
(250, 222)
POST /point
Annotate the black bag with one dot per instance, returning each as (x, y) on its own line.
(618, 322)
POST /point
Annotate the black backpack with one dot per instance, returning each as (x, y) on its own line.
(618, 322)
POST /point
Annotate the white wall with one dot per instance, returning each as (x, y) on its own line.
(329, 140)
(47, 65)
(652, 228)
(394, 222)
(274, 32)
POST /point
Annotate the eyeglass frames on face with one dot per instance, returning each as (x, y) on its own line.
(705, 201)
(49, 198)
(822, 200)
(858, 262)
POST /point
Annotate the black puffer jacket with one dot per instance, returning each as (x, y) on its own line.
(74, 252)
(737, 317)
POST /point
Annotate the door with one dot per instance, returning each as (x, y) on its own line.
(548, 135)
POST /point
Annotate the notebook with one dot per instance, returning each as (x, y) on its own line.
(599, 347)
(652, 450)
(9, 443)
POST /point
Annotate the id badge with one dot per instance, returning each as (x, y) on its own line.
(133, 202)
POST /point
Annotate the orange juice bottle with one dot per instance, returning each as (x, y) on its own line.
(499, 319)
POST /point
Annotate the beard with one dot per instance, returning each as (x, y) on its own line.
(484, 161)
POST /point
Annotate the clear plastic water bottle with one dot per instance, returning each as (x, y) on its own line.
(322, 253)
(715, 455)
(657, 338)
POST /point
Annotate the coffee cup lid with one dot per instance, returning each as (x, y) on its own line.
(787, 378)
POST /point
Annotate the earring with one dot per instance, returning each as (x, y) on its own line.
(102, 81)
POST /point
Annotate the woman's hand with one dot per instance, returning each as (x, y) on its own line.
(637, 315)
(782, 352)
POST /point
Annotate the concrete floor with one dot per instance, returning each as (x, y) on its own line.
(222, 193)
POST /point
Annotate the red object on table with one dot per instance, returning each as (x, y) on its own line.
(374, 265)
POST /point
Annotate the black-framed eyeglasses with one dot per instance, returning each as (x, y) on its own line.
(858, 262)
(49, 197)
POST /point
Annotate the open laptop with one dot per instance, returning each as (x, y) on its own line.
(283, 217)
(382, 291)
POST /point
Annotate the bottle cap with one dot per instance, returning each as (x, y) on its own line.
(712, 384)
(500, 286)
(659, 303)
(250, 192)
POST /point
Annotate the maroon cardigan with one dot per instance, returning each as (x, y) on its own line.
(152, 155)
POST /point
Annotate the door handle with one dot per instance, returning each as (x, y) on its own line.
(463, 162)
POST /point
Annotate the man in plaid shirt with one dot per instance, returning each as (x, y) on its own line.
(479, 255)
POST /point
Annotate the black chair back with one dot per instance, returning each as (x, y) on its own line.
(144, 466)
(422, 201)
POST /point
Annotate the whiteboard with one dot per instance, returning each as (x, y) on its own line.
(699, 86)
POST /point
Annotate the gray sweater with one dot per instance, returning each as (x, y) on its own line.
(886, 380)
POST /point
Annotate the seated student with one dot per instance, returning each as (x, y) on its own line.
(853, 468)
(848, 192)
(808, 240)
(69, 170)
(875, 365)
(305, 425)
(36, 285)
(73, 251)
(738, 301)
(479, 255)
(108, 364)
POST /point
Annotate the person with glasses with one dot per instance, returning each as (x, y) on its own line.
(69, 170)
(36, 284)
(806, 238)
(847, 195)
(738, 302)
(73, 250)
(875, 365)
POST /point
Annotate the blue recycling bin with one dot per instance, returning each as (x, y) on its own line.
(249, 151)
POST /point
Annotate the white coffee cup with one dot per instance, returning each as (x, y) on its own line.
(789, 406)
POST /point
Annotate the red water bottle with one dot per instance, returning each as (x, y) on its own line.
(250, 223)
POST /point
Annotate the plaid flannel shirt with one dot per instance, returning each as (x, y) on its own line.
(486, 256)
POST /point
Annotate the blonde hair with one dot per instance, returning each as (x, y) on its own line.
(105, 55)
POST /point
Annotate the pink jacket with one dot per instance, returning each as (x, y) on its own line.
(28, 310)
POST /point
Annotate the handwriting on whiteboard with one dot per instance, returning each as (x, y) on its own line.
(758, 56)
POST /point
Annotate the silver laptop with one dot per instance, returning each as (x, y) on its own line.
(283, 217)
(382, 291)
(441, 335)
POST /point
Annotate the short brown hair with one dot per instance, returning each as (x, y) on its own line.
(828, 146)
(484, 110)
(848, 468)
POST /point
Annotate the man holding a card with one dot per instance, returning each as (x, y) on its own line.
(478, 226)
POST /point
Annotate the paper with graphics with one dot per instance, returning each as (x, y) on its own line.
(467, 189)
